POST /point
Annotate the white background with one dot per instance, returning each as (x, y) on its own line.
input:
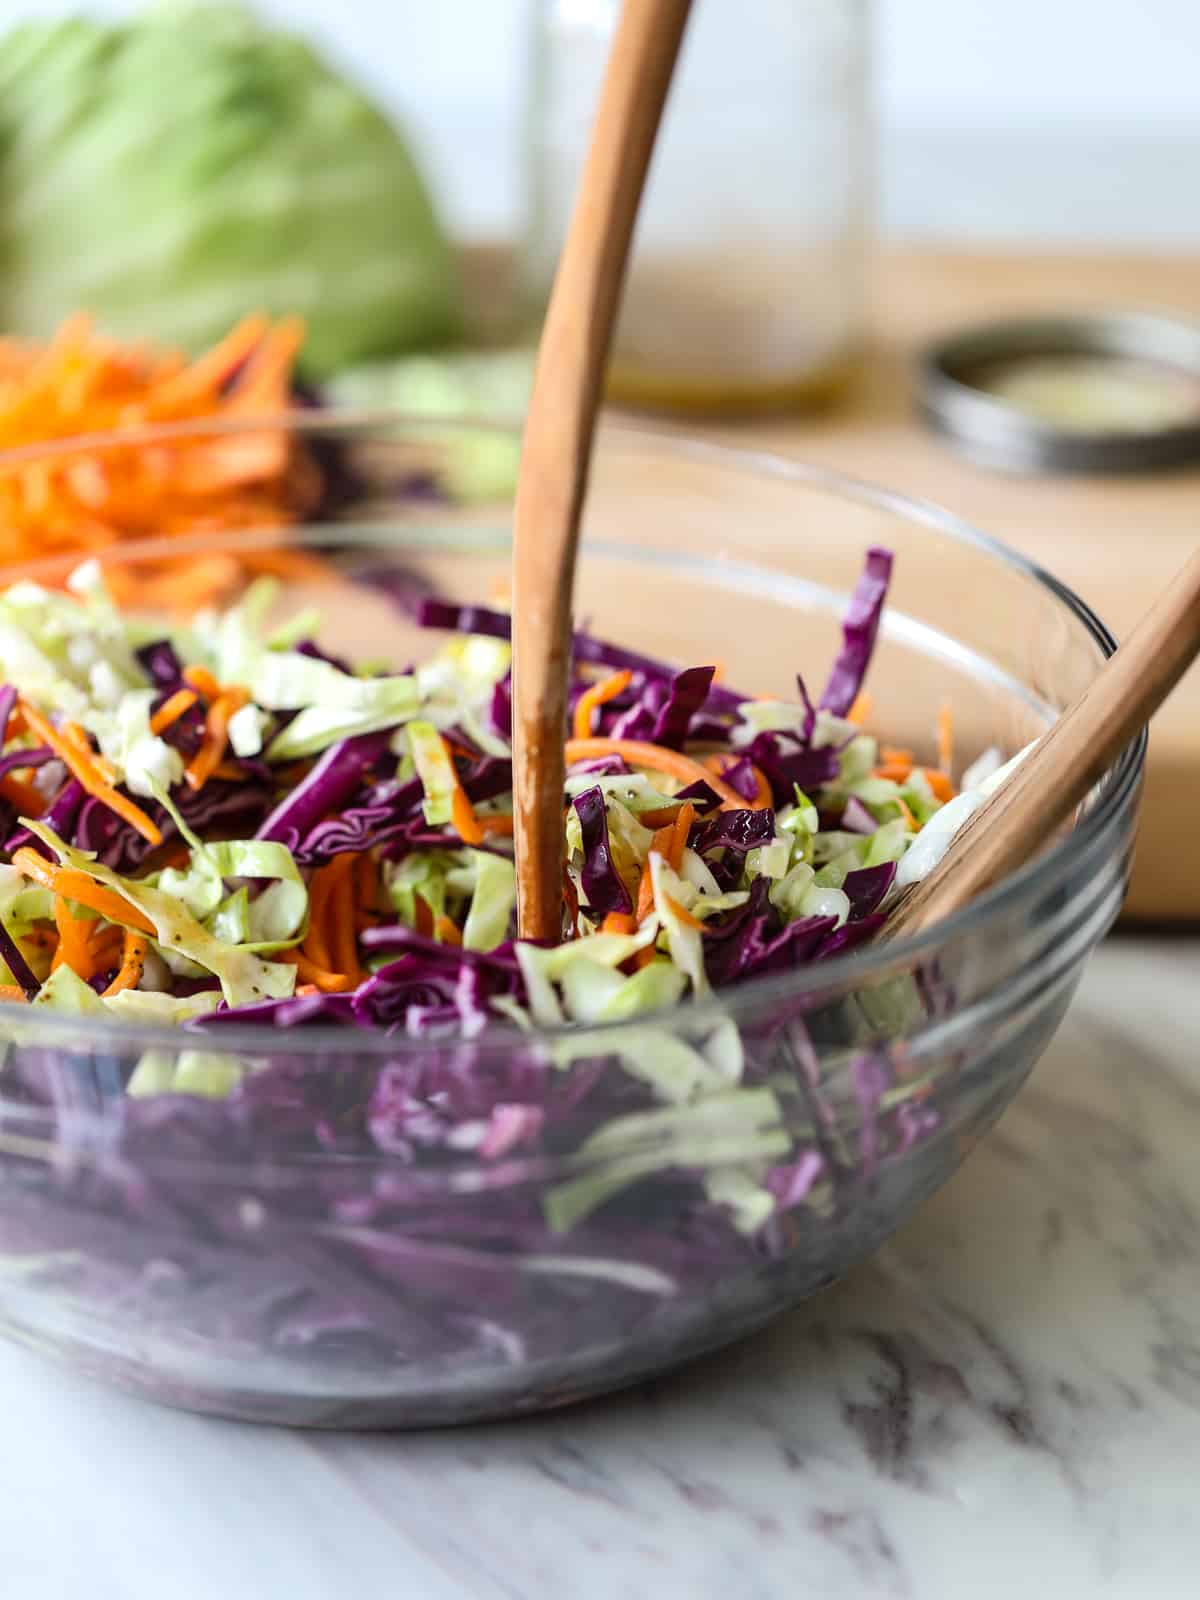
(1023, 119)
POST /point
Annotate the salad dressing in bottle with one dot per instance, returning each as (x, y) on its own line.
(746, 290)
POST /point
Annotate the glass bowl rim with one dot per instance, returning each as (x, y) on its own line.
(1117, 790)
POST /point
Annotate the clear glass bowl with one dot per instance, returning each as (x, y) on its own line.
(222, 1256)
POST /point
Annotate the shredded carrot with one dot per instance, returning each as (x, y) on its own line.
(216, 737)
(861, 709)
(82, 766)
(645, 899)
(662, 841)
(83, 383)
(180, 589)
(941, 785)
(446, 931)
(30, 802)
(74, 942)
(172, 709)
(80, 741)
(684, 915)
(462, 815)
(641, 958)
(496, 823)
(103, 765)
(298, 565)
(202, 680)
(656, 758)
(462, 812)
(913, 825)
(892, 755)
(342, 934)
(35, 866)
(598, 695)
(661, 844)
(946, 738)
(79, 887)
(680, 829)
(900, 772)
(105, 945)
(306, 989)
(660, 817)
(263, 383)
(9, 991)
(182, 390)
(366, 882)
(619, 922)
(457, 749)
(133, 963)
(316, 945)
(424, 915)
(318, 977)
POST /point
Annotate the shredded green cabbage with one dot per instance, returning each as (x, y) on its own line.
(243, 976)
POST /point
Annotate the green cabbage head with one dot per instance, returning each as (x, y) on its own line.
(172, 172)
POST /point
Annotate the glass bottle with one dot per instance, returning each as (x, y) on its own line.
(746, 288)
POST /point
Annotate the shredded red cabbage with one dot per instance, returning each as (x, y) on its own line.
(338, 774)
(788, 764)
(601, 880)
(739, 831)
(858, 634)
(16, 963)
(867, 888)
(856, 818)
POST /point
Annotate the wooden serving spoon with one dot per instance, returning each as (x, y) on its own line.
(1057, 774)
(558, 439)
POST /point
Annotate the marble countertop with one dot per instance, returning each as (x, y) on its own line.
(1008, 1395)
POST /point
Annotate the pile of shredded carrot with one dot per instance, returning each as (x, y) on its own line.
(88, 503)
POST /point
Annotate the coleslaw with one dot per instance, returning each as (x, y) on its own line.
(217, 824)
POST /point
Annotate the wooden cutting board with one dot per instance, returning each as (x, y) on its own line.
(1117, 541)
